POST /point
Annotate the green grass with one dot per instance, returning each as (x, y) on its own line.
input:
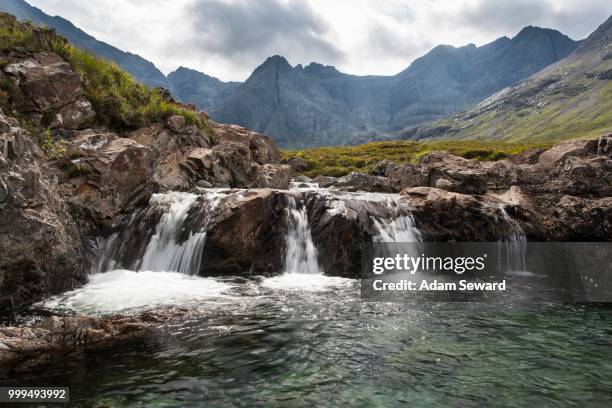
(120, 102)
(341, 160)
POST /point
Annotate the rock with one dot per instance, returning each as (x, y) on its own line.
(303, 179)
(203, 184)
(298, 165)
(246, 235)
(262, 149)
(359, 182)
(49, 91)
(273, 176)
(42, 252)
(26, 348)
(448, 216)
(323, 180)
(406, 175)
(560, 151)
(604, 145)
(454, 173)
(176, 123)
(382, 167)
(119, 174)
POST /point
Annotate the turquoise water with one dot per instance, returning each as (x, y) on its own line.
(270, 343)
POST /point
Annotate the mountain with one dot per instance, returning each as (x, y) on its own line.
(140, 68)
(572, 98)
(195, 87)
(319, 105)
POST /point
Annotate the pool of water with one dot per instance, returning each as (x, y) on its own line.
(310, 341)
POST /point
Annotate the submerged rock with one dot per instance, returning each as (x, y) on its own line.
(26, 348)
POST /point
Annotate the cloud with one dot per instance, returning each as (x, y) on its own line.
(248, 31)
(574, 18)
(230, 38)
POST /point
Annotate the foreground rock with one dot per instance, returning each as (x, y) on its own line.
(25, 348)
(41, 248)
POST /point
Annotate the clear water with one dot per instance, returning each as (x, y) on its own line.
(308, 340)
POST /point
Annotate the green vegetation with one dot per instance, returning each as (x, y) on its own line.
(120, 102)
(53, 149)
(341, 160)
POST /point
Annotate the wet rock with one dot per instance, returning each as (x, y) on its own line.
(246, 235)
(303, 179)
(261, 148)
(41, 249)
(26, 348)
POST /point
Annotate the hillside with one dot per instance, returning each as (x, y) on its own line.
(140, 68)
(205, 91)
(570, 99)
(319, 105)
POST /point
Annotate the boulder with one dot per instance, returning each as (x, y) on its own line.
(359, 182)
(577, 148)
(118, 174)
(273, 176)
(246, 235)
(604, 145)
(303, 179)
(406, 175)
(382, 167)
(46, 89)
(42, 252)
(262, 149)
(453, 173)
(298, 165)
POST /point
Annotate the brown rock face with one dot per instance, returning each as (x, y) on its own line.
(46, 88)
(41, 251)
(359, 182)
(246, 234)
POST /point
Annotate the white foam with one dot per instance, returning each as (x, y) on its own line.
(122, 290)
(305, 282)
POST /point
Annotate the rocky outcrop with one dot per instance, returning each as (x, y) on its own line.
(358, 182)
(41, 248)
(26, 348)
(45, 88)
(246, 234)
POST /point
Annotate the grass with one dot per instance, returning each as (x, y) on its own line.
(341, 160)
(121, 103)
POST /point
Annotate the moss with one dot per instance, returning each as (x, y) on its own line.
(339, 161)
(77, 169)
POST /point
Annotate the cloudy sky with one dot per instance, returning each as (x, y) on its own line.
(229, 38)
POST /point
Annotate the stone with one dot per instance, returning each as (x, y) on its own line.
(273, 176)
(382, 167)
(560, 151)
(298, 165)
(604, 145)
(359, 182)
(203, 184)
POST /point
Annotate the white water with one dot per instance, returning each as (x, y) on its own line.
(164, 253)
(301, 254)
(515, 245)
(122, 290)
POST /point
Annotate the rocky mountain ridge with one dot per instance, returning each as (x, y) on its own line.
(569, 99)
(318, 105)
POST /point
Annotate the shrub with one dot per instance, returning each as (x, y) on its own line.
(53, 149)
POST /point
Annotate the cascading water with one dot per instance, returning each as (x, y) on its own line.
(301, 254)
(515, 244)
(164, 252)
(173, 246)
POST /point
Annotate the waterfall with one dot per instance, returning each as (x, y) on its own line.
(165, 252)
(301, 254)
(515, 244)
(168, 235)
(400, 228)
